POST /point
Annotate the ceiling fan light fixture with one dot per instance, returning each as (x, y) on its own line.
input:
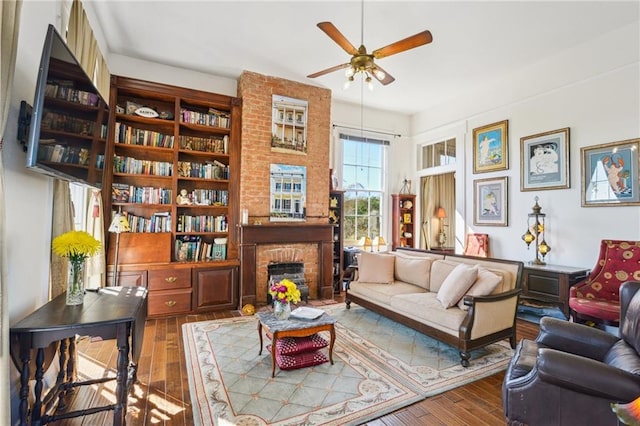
(380, 75)
(369, 81)
(347, 83)
(350, 72)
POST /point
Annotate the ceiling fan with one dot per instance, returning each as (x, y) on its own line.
(364, 62)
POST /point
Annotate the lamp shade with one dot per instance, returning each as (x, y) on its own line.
(441, 214)
(119, 224)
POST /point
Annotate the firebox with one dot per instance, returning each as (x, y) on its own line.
(293, 271)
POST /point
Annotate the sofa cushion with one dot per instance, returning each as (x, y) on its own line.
(426, 308)
(484, 285)
(456, 284)
(440, 270)
(376, 267)
(413, 270)
(382, 294)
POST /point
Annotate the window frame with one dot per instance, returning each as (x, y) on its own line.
(364, 137)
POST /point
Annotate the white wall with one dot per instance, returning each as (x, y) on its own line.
(594, 89)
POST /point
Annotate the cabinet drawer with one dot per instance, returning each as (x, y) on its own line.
(543, 284)
(169, 302)
(169, 279)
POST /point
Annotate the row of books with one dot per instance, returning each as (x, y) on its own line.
(208, 197)
(192, 248)
(158, 222)
(202, 223)
(195, 143)
(64, 89)
(54, 152)
(128, 135)
(213, 117)
(64, 123)
(123, 193)
(213, 170)
(131, 165)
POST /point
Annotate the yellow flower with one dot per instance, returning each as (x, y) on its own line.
(285, 291)
(76, 245)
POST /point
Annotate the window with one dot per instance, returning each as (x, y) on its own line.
(439, 154)
(363, 171)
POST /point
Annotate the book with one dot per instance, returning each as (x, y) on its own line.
(306, 313)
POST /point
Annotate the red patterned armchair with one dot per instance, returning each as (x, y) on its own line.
(597, 298)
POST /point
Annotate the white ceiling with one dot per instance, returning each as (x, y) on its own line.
(474, 43)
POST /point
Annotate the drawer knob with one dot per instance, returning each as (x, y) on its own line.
(170, 303)
(171, 279)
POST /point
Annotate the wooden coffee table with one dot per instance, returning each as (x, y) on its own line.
(293, 328)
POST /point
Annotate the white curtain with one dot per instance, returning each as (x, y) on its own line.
(62, 221)
(10, 24)
(95, 276)
(438, 191)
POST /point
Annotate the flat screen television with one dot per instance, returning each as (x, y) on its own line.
(68, 128)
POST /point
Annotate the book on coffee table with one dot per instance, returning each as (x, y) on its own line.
(304, 312)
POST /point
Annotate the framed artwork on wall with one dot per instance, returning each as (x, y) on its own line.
(288, 187)
(490, 147)
(490, 205)
(289, 125)
(610, 174)
(544, 161)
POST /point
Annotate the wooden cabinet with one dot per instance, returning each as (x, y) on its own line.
(550, 283)
(403, 222)
(336, 218)
(215, 287)
(172, 167)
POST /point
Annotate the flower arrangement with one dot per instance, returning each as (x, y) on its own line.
(284, 292)
(77, 246)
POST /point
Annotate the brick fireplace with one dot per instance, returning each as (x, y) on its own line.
(313, 242)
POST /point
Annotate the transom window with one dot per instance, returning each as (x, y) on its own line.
(439, 154)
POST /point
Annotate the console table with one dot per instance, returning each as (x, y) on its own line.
(550, 283)
(110, 313)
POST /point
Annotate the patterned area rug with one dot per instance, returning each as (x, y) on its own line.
(379, 367)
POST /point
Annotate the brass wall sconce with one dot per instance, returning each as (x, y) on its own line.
(535, 233)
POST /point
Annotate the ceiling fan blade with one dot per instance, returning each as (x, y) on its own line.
(328, 70)
(387, 77)
(337, 36)
(404, 44)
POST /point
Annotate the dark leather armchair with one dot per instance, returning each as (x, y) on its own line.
(572, 373)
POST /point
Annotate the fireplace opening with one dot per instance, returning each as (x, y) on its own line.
(293, 271)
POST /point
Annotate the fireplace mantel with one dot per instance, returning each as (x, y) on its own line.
(251, 236)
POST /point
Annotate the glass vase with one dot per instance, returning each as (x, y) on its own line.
(282, 310)
(75, 283)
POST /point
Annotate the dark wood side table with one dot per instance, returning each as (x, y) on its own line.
(111, 313)
(550, 283)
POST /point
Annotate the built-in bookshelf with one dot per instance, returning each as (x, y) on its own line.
(403, 211)
(336, 218)
(173, 164)
(73, 143)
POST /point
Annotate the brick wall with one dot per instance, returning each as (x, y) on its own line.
(256, 91)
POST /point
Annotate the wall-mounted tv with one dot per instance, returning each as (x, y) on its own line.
(68, 129)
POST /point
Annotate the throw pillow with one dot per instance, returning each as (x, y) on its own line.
(456, 284)
(375, 268)
(413, 271)
(486, 282)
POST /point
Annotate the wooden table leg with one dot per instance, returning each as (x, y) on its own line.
(260, 334)
(332, 331)
(25, 358)
(120, 407)
(274, 340)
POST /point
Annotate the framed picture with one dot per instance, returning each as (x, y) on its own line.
(406, 218)
(610, 174)
(490, 207)
(288, 185)
(490, 147)
(544, 161)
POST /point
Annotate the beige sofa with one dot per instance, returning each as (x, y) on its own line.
(467, 302)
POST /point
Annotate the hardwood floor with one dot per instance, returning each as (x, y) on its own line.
(164, 400)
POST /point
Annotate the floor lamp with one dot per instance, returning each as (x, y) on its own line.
(119, 224)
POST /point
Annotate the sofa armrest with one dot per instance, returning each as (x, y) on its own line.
(489, 314)
(350, 274)
(575, 338)
(586, 376)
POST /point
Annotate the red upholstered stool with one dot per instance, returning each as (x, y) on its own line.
(299, 352)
